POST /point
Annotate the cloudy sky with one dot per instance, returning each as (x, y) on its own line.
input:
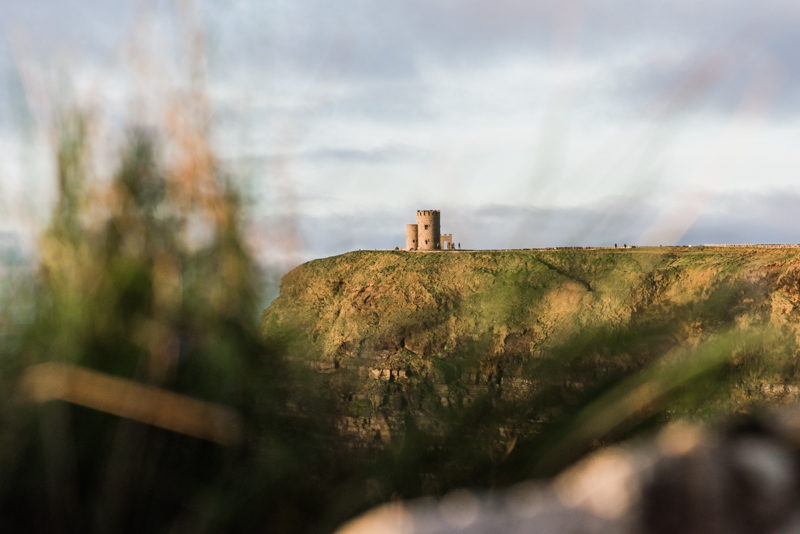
(528, 123)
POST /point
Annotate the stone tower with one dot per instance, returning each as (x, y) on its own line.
(428, 235)
(411, 237)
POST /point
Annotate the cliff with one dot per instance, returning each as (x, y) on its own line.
(406, 338)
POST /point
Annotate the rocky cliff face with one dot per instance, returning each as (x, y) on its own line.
(407, 338)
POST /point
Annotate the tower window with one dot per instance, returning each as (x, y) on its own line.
(426, 226)
(426, 241)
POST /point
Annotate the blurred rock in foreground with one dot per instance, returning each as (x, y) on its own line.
(687, 479)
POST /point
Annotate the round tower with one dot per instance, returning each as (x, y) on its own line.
(428, 236)
(411, 237)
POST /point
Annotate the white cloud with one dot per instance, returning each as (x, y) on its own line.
(343, 106)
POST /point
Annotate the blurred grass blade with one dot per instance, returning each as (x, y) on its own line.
(643, 394)
(131, 400)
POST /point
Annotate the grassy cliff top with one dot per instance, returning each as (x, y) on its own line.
(365, 302)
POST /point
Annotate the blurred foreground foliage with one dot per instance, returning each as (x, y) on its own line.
(148, 279)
